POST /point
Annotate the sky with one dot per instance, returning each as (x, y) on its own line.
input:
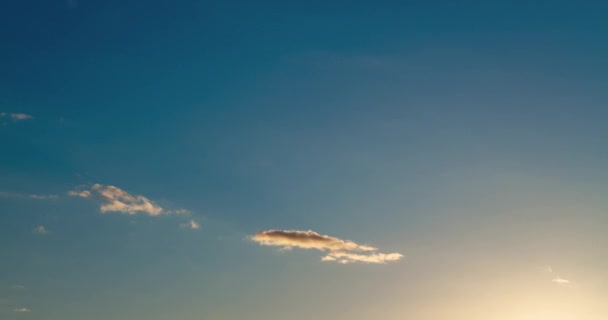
(420, 160)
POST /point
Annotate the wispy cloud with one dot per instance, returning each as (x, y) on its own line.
(4, 194)
(559, 280)
(22, 310)
(80, 193)
(43, 196)
(20, 116)
(338, 250)
(115, 199)
(41, 230)
(179, 212)
(556, 279)
(16, 116)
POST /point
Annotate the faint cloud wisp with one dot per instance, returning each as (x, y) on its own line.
(41, 230)
(80, 193)
(559, 280)
(28, 196)
(16, 116)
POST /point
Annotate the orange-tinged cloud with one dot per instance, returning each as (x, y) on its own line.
(341, 251)
(117, 200)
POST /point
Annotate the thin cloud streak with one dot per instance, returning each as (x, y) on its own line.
(338, 250)
(22, 310)
(80, 193)
(20, 116)
(559, 280)
(16, 116)
(4, 194)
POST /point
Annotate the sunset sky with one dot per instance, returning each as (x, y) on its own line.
(272, 160)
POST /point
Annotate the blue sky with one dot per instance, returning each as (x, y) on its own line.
(166, 160)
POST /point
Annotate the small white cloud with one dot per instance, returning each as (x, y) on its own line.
(194, 225)
(22, 310)
(338, 250)
(559, 280)
(191, 225)
(547, 269)
(40, 230)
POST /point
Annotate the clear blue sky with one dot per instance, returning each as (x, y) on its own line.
(166, 159)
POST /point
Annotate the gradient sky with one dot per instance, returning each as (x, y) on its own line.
(469, 138)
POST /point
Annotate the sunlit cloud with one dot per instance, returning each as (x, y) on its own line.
(556, 279)
(22, 310)
(115, 199)
(80, 193)
(559, 280)
(338, 250)
(347, 257)
(41, 230)
(192, 225)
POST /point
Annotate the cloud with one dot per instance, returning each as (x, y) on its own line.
(28, 196)
(117, 200)
(338, 250)
(16, 116)
(192, 225)
(43, 196)
(20, 116)
(559, 280)
(306, 240)
(21, 310)
(179, 212)
(346, 257)
(40, 230)
(80, 193)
